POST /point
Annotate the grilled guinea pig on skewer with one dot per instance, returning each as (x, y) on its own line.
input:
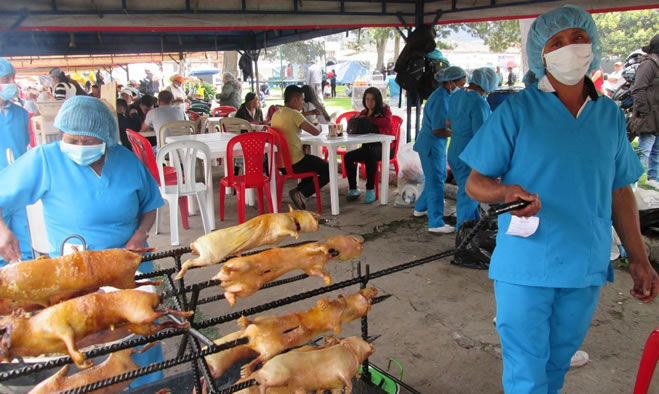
(56, 329)
(243, 276)
(45, 281)
(268, 229)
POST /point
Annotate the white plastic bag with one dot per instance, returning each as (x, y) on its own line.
(410, 177)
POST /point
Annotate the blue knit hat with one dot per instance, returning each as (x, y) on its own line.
(6, 67)
(86, 115)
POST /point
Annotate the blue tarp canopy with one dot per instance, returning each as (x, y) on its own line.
(205, 71)
(347, 72)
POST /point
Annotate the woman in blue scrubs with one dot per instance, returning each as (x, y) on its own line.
(14, 136)
(89, 185)
(563, 148)
(467, 111)
(431, 145)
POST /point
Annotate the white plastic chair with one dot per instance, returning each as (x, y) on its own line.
(175, 127)
(235, 125)
(183, 155)
(35, 222)
(41, 135)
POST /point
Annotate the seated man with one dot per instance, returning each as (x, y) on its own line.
(290, 121)
(166, 112)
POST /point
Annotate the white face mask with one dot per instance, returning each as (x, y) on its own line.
(570, 63)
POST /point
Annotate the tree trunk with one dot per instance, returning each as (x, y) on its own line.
(396, 45)
(230, 63)
(381, 45)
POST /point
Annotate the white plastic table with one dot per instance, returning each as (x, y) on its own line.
(332, 143)
(217, 143)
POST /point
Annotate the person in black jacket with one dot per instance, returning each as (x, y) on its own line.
(250, 110)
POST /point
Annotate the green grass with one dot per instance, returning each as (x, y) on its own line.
(340, 104)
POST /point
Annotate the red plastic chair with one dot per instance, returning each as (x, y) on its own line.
(223, 110)
(396, 122)
(648, 363)
(284, 161)
(253, 146)
(143, 150)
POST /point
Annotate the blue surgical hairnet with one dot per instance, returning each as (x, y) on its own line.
(529, 78)
(484, 77)
(86, 115)
(450, 74)
(436, 54)
(554, 21)
(6, 67)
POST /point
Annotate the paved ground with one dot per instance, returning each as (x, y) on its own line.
(438, 322)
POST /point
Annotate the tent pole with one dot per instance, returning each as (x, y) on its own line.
(256, 72)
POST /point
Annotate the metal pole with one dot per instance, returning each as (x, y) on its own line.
(256, 71)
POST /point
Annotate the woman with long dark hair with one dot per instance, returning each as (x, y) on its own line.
(314, 110)
(380, 115)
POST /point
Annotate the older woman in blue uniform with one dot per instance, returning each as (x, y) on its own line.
(431, 145)
(563, 148)
(14, 136)
(467, 111)
(89, 185)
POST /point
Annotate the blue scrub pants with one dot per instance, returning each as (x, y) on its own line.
(17, 223)
(540, 328)
(466, 208)
(649, 146)
(432, 197)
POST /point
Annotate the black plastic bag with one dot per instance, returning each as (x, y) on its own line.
(477, 253)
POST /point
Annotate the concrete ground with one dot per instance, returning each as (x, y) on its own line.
(438, 322)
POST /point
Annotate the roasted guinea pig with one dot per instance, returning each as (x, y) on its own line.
(243, 276)
(268, 229)
(118, 363)
(56, 329)
(331, 368)
(220, 362)
(271, 335)
(44, 281)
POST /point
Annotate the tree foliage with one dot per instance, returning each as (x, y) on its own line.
(298, 52)
(623, 32)
(498, 35)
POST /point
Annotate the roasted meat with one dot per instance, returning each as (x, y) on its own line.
(271, 335)
(56, 329)
(243, 276)
(45, 281)
(268, 229)
(118, 363)
(220, 362)
(331, 368)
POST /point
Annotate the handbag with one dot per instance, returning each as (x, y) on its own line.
(361, 125)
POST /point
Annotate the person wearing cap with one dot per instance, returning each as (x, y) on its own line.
(164, 113)
(129, 95)
(615, 79)
(63, 87)
(176, 88)
(89, 185)
(431, 146)
(645, 91)
(563, 148)
(14, 137)
(250, 110)
(467, 111)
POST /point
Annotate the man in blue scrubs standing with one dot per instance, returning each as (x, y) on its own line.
(14, 136)
(431, 145)
(563, 148)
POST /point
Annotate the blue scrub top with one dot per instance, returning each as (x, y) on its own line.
(467, 111)
(13, 132)
(394, 88)
(573, 164)
(105, 210)
(434, 117)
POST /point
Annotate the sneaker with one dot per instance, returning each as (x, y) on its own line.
(420, 214)
(653, 184)
(579, 359)
(445, 229)
(297, 198)
(353, 194)
(370, 196)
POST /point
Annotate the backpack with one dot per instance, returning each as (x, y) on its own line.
(411, 63)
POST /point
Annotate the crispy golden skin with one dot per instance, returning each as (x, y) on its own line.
(243, 276)
(56, 329)
(118, 363)
(268, 229)
(44, 281)
(220, 362)
(271, 335)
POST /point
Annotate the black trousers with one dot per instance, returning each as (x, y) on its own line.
(315, 164)
(333, 85)
(370, 154)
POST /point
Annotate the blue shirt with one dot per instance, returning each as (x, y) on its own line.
(13, 132)
(105, 210)
(467, 110)
(435, 114)
(394, 88)
(573, 164)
